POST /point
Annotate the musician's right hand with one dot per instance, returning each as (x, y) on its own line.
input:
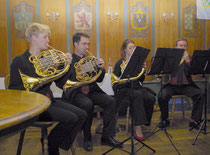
(100, 62)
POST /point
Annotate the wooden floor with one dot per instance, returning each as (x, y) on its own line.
(182, 139)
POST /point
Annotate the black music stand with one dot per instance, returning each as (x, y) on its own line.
(200, 65)
(132, 69)
(166, 61)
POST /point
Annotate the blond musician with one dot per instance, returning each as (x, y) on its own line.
(181, 83)
(70, 118)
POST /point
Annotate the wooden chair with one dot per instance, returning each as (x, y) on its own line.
(182, 97)
(39, 124)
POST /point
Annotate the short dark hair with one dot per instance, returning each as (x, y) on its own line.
(181, 39)
(77, 36)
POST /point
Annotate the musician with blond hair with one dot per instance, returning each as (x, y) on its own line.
(70, 118)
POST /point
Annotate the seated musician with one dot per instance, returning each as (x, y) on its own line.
(181, 83)
(88, 95)
(144, 98)
(70, 118)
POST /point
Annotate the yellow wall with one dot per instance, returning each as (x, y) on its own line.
(112, 32)
(3, 40)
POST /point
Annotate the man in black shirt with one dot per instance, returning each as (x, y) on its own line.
(181, 83)
(86, 96)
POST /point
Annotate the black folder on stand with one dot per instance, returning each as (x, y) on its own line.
(166, 61)
(135, 63)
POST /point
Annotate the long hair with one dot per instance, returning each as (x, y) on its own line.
(124, 46)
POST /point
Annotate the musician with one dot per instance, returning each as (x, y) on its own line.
(70, 118)
(87, 96)
(181, 83)
(143, 98)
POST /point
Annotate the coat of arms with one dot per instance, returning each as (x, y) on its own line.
(139, 18)
(83, 17)
(23, 16)
(192, 26)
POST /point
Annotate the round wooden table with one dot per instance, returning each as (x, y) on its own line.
(19, 109)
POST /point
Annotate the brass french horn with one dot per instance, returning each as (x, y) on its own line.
(49, 65)
(115, 79)
(87, 72)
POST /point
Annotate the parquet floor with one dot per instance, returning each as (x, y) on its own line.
(182, 139)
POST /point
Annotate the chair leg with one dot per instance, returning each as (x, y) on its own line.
(127, 120)
(20, 144)
(172, 112)
(73, 152)
(44, 140)
(182, 104)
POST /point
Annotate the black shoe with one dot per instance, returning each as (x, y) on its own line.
(194, 125)
(53, 151)
(164, 123)
(110, 141)
(87, 145)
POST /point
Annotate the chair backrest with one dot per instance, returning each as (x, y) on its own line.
(6, 81)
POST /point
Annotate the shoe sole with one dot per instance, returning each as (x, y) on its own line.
(107, 144)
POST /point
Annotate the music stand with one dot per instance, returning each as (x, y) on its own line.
(200, 65)
(132, 69)
(166, 61)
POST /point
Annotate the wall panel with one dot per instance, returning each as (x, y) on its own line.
(58, 38)
(141, 34)
(79, 6)
(207, 34)
(166, 29)
(19, 45)
(111, 31)
(192, 29)
(3, 40)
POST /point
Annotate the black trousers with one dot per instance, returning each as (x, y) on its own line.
(70, 121)
(191, 91)
(143, 104)
(87, 102)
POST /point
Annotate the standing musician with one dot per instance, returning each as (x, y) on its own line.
(144, 98)
(88, 95)
(70, 118)
(181, 83)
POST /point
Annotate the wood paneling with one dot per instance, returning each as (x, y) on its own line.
(166, 31)
(19, 45)
(58, 38)
(207, 34)
(3, 40)
(111, 31)
(92, 33)
(145, 41)
(193, 42)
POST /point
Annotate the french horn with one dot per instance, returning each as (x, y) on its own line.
(49, 65)
(87, 72)
(116, 80)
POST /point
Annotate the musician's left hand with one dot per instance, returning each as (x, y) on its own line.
(100, 62)
(144, 65)
(69, 57)
(186, 57)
